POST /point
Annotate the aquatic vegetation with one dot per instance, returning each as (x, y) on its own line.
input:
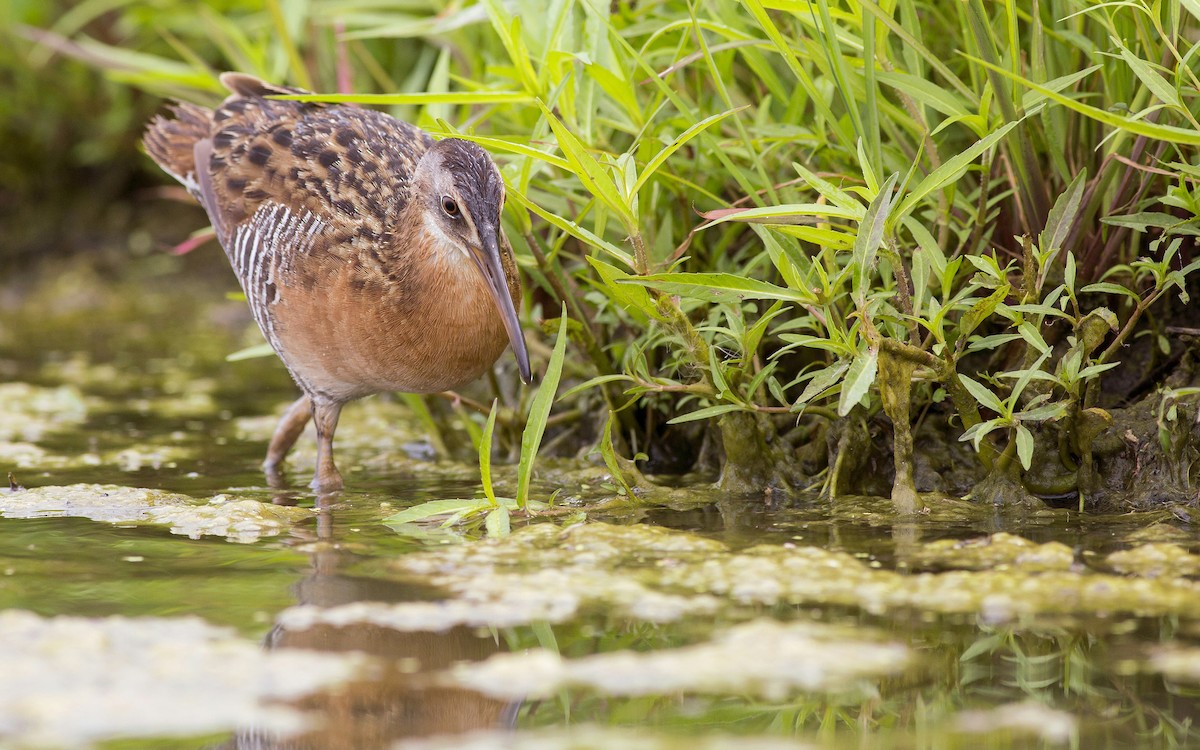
(74, 681)
(994, 551)
(29, 412)
(586, 737)
(775, 660)
(784, 230)
(236, 520)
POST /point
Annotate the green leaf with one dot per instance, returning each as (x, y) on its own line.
(1168, 133)
(787, 213)
(593, 382)
(1062, 216)
(436, 508)
(870, 237)
(250, 352)
(635, 300)
(831, 192)
(485, 453)
(571, 228)
(983, 395)
(859, 377)
(979, 312)
(1043, 413)
(706, 413)
(978, 432)
(383, 100)
(497, 522)
(823, 381)
(1107, 287)
(952, 168)
(595, 178)
(609, 454)
(539, 412)
(1033, 337)
(718, 287)
(687, 135)
(1144, 220)
(1025, 446)
(1146, 73)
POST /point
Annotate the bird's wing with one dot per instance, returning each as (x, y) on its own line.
(348, 166)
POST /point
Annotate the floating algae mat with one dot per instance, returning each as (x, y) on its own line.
(157, 591)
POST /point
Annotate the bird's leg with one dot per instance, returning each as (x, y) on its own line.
(290, 427)
(325, 414)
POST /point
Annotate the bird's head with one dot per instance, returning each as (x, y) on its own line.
(462, 192)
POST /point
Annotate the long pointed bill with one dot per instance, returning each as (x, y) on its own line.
(487, 260)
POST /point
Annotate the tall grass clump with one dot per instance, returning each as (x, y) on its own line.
(782, 228)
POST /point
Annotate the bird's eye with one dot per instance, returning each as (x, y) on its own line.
(450, 206)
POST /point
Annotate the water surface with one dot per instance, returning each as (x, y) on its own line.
(279, 619)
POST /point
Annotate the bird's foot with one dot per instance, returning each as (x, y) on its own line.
(327, 480)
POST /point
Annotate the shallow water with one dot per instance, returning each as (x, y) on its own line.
(219, 611)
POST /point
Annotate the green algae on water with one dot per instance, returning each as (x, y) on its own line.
(73, 681)
(237, 520)
(773, 661)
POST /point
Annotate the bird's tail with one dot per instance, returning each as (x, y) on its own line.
(171, 142)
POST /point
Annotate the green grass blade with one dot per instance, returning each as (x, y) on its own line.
(485, 453)
(719, 287)
(539, 411)
(952, 169)
(444, 97)
(1168, 133)
(687, 135)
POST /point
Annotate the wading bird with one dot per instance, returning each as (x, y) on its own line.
(372, 256)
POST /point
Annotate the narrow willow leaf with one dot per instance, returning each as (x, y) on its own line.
(830, 192)
(1146, 73)
(1107, 287)
(1144, 220)
(539, 412)
(979, 312)
(1168, 133)
(595, 178)
(500, 144)
(1033, 338)
(632, 298)
(719, 287)
(1044, 413)
(435, 509)
(250, 352)
(823, 381)
(790, 213)
(983, 395)
(687, 135)
(706, 413)
(442, 97)
(609, 454)
(926, 92)
(984, 343)
(1062, 216)
(1025, 446)
(870, 238)
(718, 377)
(859, 377)
(485, 453)
(952, 168)
(593, 382)
(572, 228)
